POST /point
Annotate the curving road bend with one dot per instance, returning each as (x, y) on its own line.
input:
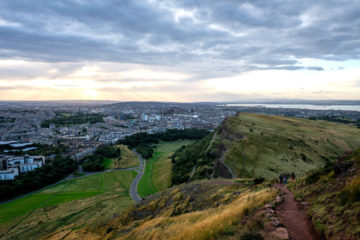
(133, 186)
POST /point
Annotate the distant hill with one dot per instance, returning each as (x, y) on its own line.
(253, 145)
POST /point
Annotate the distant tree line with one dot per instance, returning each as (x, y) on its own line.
(336, 119)
(50, 173)
(144, 142)
(65, 119)
(95, 162)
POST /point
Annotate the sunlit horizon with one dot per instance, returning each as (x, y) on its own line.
(174, 51)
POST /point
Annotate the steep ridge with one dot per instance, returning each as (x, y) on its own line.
(253, 145)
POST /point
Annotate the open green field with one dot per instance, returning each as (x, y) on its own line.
(157, 175)
(98, 195)
(127, 159)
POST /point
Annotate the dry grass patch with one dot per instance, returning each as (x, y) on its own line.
(127, 159)
(205, 224)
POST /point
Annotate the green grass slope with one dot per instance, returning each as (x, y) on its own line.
(74, 203)
(253, 145)
(333, 197)
(157, 175)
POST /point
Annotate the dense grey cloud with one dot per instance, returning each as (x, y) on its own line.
(217, 37)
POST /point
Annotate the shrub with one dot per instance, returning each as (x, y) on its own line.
(94, 163)
(259, 180)
(227, 230)
(146, 151)
(320, 228)
(251, 236)
(351, 193)
(313, 177)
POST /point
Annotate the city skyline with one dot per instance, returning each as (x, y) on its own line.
(184, 51)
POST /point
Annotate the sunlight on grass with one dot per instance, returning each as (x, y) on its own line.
(206, 224)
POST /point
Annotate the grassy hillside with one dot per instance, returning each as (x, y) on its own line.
(218, 209)
(72, 204)
(127, 159)
(157, 174)
(333, 197)
(252, 145)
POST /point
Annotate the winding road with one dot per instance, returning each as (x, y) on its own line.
(133, 186)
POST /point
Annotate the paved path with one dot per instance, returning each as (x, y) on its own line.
(293, 216)
(133, 186)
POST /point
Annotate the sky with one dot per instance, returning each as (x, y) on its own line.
(184, 51)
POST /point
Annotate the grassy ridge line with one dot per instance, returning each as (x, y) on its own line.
(287, 144)
(265, 146)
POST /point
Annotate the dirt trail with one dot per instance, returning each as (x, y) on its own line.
(293, 216)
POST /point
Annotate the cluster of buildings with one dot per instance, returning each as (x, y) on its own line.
(12, 166)
(20, 122)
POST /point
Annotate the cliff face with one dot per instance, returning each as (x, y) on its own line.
(252, 145)
(227, 131)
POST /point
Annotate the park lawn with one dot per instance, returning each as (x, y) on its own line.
(157, 175)
(67, 191)
(161, 172)
(146, 186)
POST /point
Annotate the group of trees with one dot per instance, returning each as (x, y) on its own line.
(64, 119)
(50, 173)
(144, 142)
(95, 162)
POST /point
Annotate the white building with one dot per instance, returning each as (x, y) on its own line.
(13, 166)
(9, 174)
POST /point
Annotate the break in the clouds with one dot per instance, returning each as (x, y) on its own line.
(186, 50)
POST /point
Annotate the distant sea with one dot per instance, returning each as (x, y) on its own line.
(302, 106)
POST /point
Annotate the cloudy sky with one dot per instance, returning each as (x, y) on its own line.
(188, 50)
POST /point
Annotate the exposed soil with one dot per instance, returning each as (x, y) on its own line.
(292, 214)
